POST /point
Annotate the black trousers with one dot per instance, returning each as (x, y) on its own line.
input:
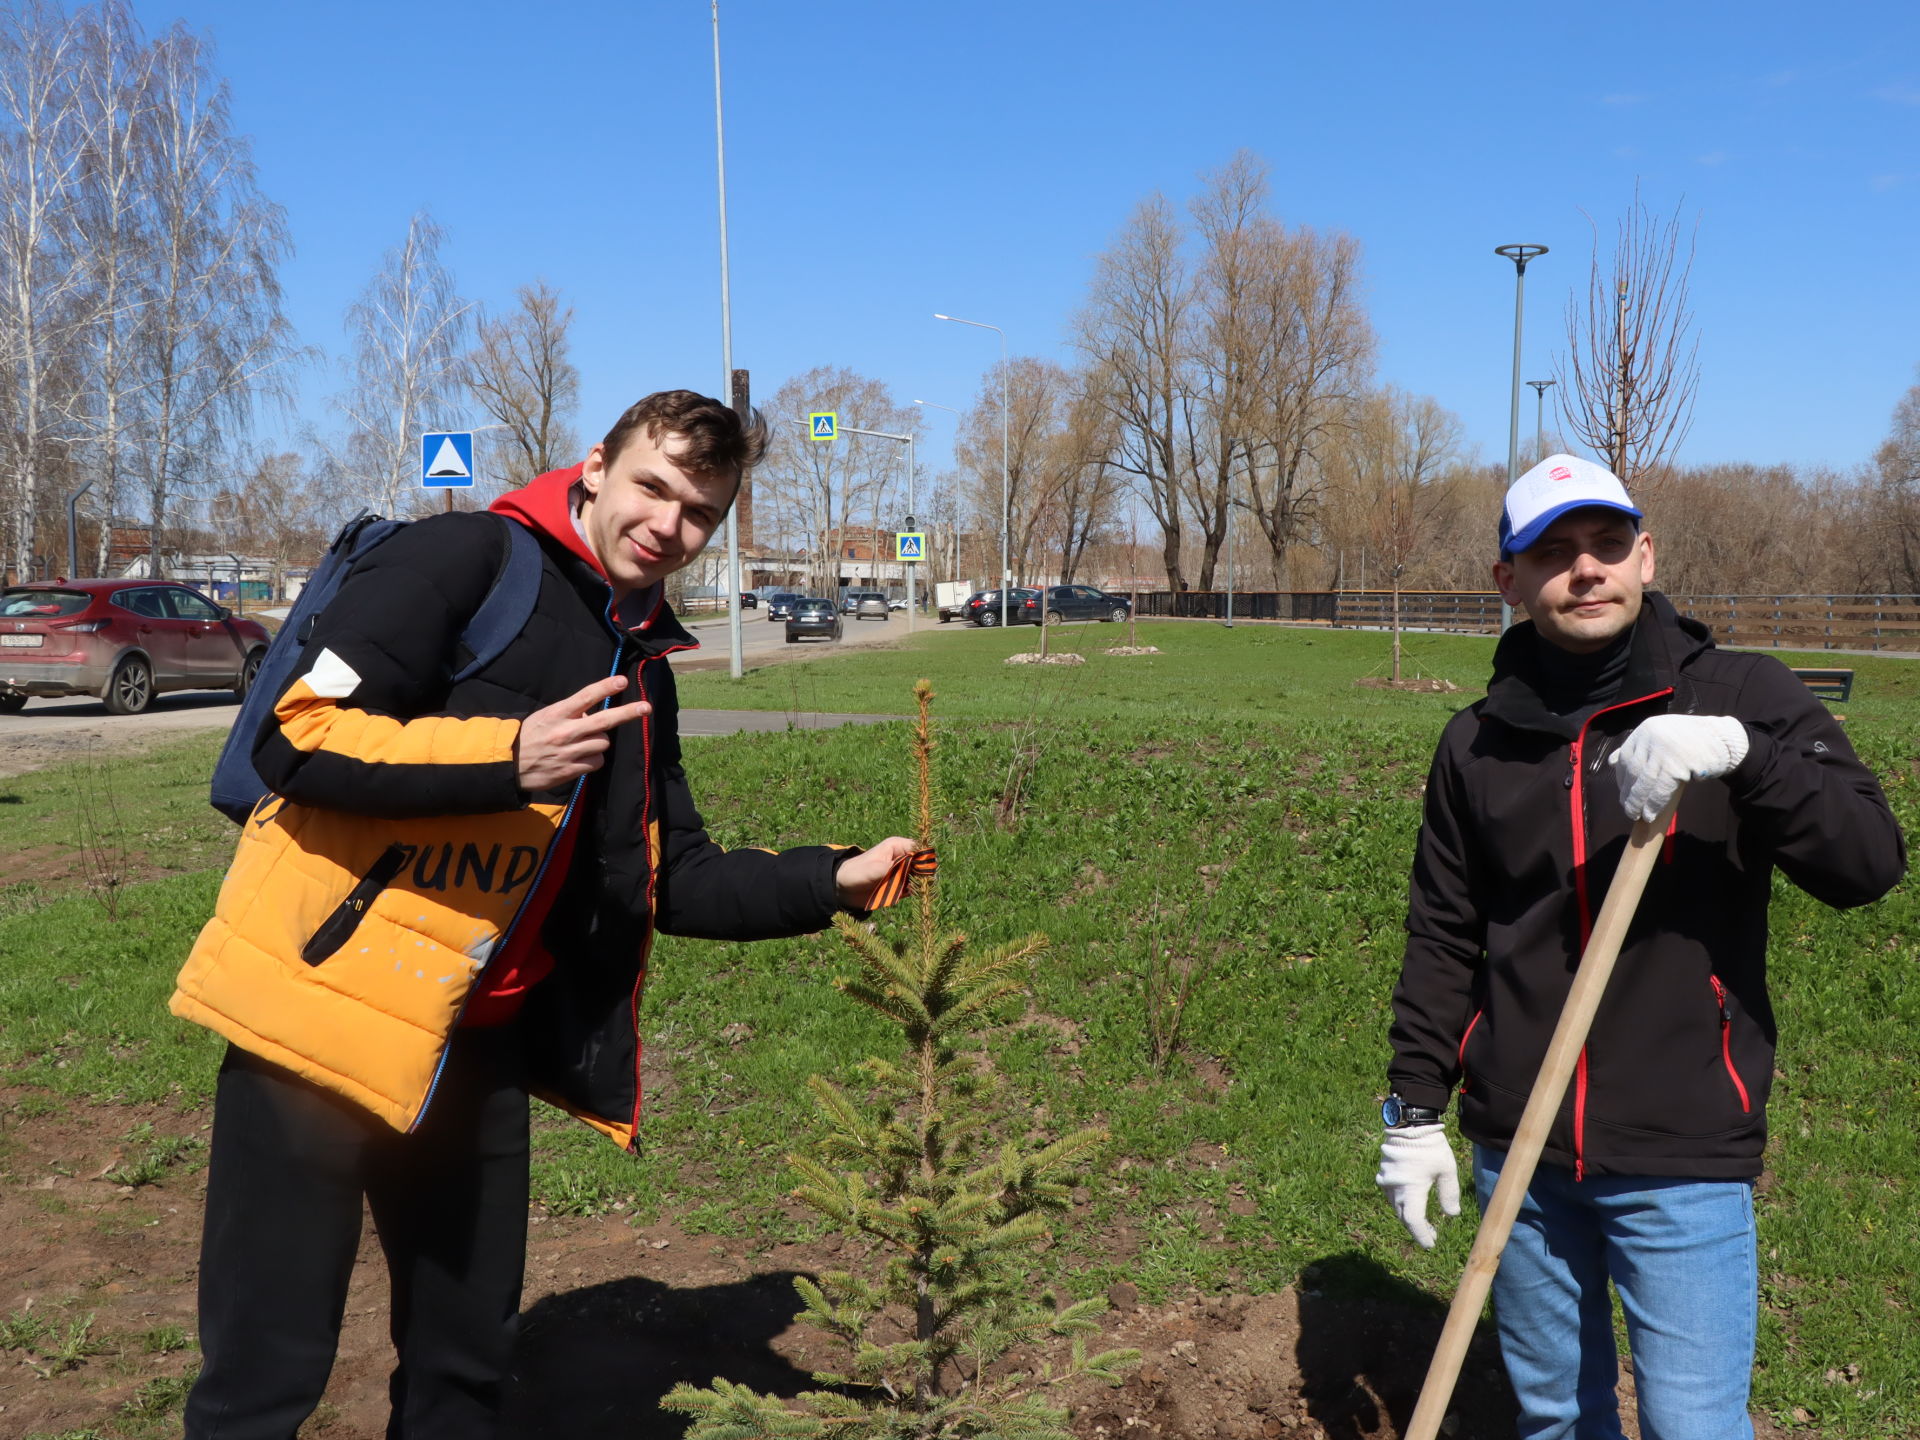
(289, 1165)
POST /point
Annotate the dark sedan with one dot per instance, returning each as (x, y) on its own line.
(780, 606)
(1083, 602)
(813, 616)
(1022, 608)
(123, 640)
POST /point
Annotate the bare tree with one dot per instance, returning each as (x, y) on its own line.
(1403, 445)
(1134, 331)
(1898, 465)
(831, 495)
(270, 508)
(212, 337)
(519, 372)
(408, 329)
(1632, 369)
(1233, 358)
(1059, 485)
(1324, 345)
(43, 277)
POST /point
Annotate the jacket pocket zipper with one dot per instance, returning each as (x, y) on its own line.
(1726, 1044)
(338, 927)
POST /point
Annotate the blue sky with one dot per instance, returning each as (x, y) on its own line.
(890, 160)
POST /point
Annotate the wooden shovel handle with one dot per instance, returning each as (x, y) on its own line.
(1523, 1156)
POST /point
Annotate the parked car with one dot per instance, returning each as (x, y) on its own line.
(1022, 607)
(871, 605)
(898, 602)
(780, 605)
(850, 600)
(1083, 602)
(813, 615)
(123, 640)
(749, 600)
(961, 609)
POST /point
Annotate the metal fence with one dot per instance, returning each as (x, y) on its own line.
(1781, 622)
(1466, 610)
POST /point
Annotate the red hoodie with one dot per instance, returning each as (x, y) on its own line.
(546, 508)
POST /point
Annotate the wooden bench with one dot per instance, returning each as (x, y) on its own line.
(1829, 685)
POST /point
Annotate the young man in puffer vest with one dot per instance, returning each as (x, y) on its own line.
(1600, 705)
(446, 905)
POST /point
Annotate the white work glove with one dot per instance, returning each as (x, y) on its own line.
(1413, 1160)
(1668, 749)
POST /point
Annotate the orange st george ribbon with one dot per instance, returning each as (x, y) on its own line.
(897, 883)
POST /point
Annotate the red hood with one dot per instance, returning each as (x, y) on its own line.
(545, 508)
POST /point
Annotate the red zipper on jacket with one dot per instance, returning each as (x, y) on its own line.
(1726, 1043)
(1576, 755)
(1463, 1046)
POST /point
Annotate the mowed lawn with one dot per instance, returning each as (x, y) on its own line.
(1237, 803)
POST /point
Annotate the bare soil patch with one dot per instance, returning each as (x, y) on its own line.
(617, 1313)
(1427, 685)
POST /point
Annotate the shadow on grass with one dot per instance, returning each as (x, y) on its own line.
(1365, 1339)
(592, 1364)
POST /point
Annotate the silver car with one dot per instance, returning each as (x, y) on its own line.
(872, 606)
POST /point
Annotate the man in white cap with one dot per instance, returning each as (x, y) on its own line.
(1600, 705)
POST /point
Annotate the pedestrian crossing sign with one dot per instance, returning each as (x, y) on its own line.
(446, 460)
(824, 424)
(910, 545)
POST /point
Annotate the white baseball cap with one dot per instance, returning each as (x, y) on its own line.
(1549, 490)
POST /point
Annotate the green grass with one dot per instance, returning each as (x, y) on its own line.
(1250, 753)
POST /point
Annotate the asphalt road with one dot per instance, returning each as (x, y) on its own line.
(763, 639)
(52, 732)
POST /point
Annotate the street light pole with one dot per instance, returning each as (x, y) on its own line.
(1540, 388)
(1519, 255)
(735, 665)
(1006, 488)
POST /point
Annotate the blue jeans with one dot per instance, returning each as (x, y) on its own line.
(1682, 1255)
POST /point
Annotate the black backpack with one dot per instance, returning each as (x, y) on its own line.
(237, 786)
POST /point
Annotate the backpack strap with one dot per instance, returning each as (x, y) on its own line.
(509, 603)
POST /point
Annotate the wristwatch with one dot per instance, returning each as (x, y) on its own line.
(1397, 1114)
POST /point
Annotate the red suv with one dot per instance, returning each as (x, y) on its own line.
(123, 640)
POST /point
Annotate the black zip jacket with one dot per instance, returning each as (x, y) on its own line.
(1522, 832)
(641, 856)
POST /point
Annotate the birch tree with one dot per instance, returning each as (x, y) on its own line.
(118, 90)
(43, 278)
(409, 330)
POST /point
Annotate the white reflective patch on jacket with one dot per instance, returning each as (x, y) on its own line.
(331, 678)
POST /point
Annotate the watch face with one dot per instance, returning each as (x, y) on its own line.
(1390, 1112)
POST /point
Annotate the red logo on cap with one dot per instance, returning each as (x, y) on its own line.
(1559, 472)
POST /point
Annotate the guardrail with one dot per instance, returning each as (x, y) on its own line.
(1778, 622)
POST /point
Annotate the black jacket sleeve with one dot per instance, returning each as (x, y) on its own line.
(1446, 936)
(712, 893)
(359, 725)
(1801, 789)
